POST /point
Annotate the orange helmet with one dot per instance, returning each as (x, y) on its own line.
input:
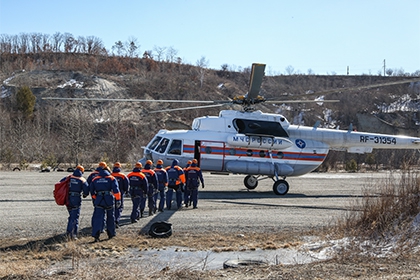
(189, 162)
(139, 165)
(117, 164)
(102, 164)
(149, 162)
(160, 162)
(81, 168)
(194, 161)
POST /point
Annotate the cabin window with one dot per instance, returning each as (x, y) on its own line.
(257, 127)
(232, 152)
(249, 153)
(162, 146)
(175, 148)
(154, 143)
(280, 155)
(207, 150)
(262, 153)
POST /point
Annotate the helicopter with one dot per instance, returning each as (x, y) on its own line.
(256, 144)
(262, 145)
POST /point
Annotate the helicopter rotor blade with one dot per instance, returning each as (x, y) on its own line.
(128, 100)
(257, 74)
(301, 101)
(187, 108)
(349, 89)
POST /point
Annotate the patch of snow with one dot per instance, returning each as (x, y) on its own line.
(6, 82)
(5, 92)
(403, 104)
(71, 83)
(101, 120)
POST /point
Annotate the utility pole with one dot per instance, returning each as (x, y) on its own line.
(348, 70)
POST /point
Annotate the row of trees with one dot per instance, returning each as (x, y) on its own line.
(38, 43)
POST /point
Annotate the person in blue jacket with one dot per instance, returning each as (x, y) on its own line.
(78, 186)
(123, 185)
(105, 192)
(153, 186)
(162, 183)
(176, 180)
(95, 172)
(139, 189)
(193, 176)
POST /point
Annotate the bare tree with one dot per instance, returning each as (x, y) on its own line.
(119, 47)
(132, 46)
(160, 51)
(69, 42)
(5, 44)
(45, 42)
(22, 43)
(76, 131)
(148, 54)
(94, 45)
(57, 41)
(290, 70)
(81, 44)
(201, 64)
(171, 54)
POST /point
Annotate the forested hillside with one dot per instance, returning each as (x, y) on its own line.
(33, 130)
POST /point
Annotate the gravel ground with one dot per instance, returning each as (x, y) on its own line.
(28, 209)
(29, 212)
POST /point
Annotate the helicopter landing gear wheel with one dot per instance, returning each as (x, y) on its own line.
(281, 187)
(250, 182)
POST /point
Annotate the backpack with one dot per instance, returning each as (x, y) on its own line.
(61, 191)
(173, 177)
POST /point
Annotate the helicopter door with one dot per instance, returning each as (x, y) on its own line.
(210, 154)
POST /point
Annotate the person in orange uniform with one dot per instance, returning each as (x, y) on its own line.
(105, 193)
(162, 176)
(193, 176)
(176, 179)
(138, 191)
(153, 185)
(123, 186)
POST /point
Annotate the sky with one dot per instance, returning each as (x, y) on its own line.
(324, 37)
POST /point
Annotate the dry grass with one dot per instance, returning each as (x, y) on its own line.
(382, 221)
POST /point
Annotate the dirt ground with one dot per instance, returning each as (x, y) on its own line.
(225, 207)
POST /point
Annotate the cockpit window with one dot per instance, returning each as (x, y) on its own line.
(154, 143)
(162, 146)
(256, 127)
(175, 148)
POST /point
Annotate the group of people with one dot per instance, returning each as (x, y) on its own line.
(144, 184)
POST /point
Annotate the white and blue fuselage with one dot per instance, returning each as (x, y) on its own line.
(262, 144)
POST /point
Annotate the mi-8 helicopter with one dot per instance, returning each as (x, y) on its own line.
(262, 145)
(259, 145)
